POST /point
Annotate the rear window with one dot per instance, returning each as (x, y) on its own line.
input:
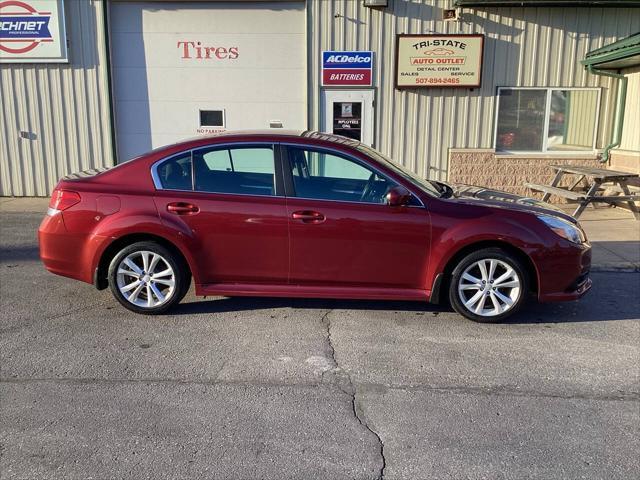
(175, 173)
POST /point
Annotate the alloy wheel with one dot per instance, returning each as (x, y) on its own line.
(489, 287)
(145, 279)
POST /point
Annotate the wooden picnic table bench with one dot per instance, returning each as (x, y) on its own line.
(592, 179)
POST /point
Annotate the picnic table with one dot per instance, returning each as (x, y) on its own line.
(592, 180)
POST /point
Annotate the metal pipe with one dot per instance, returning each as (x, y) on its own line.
(620, 104)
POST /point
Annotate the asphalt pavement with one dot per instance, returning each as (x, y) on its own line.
(278, 388)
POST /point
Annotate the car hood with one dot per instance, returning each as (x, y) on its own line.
(499, 199)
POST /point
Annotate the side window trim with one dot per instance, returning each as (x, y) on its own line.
(278, 168)
(288, 173)
(193, 173)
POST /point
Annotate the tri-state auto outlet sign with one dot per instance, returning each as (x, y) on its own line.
(32, 31)
(430, 61)
(347, 68)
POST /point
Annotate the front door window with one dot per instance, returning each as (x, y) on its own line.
(322, 175)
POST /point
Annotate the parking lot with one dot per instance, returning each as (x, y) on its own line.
(278, 388)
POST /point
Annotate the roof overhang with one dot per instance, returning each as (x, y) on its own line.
(547, 3)
(624, 53)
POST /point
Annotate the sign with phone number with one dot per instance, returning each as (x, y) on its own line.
(429, 61)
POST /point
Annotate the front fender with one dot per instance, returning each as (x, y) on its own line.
(449, 240)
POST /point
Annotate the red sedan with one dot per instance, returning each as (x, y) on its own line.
(305, 215)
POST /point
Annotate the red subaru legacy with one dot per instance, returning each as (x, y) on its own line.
(305, 215)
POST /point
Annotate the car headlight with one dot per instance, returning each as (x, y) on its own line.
(565, 229)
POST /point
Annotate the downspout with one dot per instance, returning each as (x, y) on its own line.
(620, 104)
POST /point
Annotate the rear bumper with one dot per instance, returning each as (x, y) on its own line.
(61, 252)
(564, 276)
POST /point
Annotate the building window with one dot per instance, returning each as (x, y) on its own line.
(212, 118)
(546, 119)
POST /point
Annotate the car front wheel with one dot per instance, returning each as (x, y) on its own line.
(488, 285)
(147, 278)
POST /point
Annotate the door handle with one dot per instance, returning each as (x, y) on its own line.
(182, 208)
(308, 216)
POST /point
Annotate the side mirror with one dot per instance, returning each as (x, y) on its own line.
(398, 196)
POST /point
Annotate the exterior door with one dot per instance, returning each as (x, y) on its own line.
(235, 212)
(349, 113)
(342, 234)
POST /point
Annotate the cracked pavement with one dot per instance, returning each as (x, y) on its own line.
(279, 388)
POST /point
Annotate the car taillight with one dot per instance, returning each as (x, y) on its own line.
(62, 199)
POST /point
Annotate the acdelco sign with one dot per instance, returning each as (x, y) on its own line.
(30, 31)
(347, 59)
(346, 68)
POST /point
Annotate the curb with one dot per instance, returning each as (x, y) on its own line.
(615, 268)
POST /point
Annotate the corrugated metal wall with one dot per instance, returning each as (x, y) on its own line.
(579, 119)
(631, 126)
(63, 108)
(523, 47)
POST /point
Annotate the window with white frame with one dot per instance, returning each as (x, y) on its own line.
(212, 118)
(546, 119)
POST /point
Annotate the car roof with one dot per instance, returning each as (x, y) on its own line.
(243, 136)
(275, 134)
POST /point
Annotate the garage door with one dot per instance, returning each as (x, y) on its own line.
(186, 68)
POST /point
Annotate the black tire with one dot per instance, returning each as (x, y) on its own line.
(182, 277)
(520, 294)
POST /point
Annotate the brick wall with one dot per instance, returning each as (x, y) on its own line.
(509, 173)
(626, 161)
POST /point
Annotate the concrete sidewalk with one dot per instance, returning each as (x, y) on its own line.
(613, 232)
(615, 237)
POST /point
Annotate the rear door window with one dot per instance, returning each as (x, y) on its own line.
(238, 170)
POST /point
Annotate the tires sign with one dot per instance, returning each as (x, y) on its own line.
(347, 68)
(32, 31)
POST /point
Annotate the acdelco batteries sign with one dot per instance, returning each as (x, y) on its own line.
(347, 68)
(32, 31)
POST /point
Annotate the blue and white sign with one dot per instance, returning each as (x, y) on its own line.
(347, 59)
(32, 31)
(36, 27)
(347, 68)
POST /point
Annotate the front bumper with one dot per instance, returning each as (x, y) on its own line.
(563, 275)
(573, 294)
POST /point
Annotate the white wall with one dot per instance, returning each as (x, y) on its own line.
(158, 92)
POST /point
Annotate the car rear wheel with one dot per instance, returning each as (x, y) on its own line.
(488, 285)
(146, 277)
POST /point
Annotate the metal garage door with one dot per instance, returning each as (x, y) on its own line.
(186, 68)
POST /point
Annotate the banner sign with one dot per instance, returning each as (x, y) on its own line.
(436, 61)
(32, 31)
(347, 68)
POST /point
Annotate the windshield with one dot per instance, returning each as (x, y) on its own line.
(414, 178)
